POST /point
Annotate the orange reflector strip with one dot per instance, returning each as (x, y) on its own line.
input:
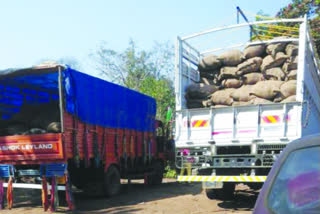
(271, 119)
(200, 123)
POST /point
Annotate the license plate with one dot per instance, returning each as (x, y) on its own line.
(212, 185)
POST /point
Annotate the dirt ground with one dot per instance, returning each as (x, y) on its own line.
(169, 197)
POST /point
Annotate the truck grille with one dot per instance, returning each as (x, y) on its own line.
(196, 157)
(270, 149)
(232, 150)
(267, 160)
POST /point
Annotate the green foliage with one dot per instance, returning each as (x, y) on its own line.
(169, 172)
(270, 31)
(147, 71)
(162, 90)
(298, 8)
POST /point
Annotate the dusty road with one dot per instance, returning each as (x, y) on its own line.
(170, 197)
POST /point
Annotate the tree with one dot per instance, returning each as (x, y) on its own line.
(130, 67)
(162, 90)
(298, 8)
(147, 71)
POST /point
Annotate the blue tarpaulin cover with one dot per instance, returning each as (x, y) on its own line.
(93, 100)
(99, 102)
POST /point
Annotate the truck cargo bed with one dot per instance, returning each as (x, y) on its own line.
(240, 140)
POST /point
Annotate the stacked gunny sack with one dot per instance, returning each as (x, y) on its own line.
(33, 119)
(260, 74)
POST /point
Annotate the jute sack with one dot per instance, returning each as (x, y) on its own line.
(207, 81)
(271, 62)
(288, 89)
(54, 127)
(291, 49)
(290, 64)
(289, 99)
(228, 72)
(242, 94)
(257, 100)
(274, 48)
(207, 103)
(292, 75)
(196, 103)
(250, 65)
(15, 129)
(278, 98)
(267, 89)
(274, 74)
(210, 75)
(222, 97)
(231, 83)
(200, 90)
(252, 78)
(209, 63)
(231, 57)
(254, 50)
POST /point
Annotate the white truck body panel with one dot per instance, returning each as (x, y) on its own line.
(238, 125)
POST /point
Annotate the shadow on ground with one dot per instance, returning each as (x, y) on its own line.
(136, 193)
(244, 200)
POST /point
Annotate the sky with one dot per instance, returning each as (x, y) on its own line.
(33, 30)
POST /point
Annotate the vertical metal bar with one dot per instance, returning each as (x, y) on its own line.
(300, 125)
(178, 86)
(301, 60)
(189, 66)
(189, 124)
(60, 98)
(178, 78)
(234, 130)
(259, 121)
(285, 119)
(211, 123)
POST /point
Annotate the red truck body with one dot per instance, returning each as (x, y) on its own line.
(89, 149)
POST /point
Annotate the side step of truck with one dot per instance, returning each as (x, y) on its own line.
(217, 178)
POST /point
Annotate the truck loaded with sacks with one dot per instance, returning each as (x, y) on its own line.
(62, 127)
(237, 107)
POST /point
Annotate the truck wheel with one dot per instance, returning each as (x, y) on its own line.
(211, 193)
(112, 184)
(158, 173)
(225, 193)
(255, 186)
(155, 178)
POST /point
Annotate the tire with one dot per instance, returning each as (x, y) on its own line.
(155, 178)
(255, 186)
(211, 194)
(112, 184)
(225, 193)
